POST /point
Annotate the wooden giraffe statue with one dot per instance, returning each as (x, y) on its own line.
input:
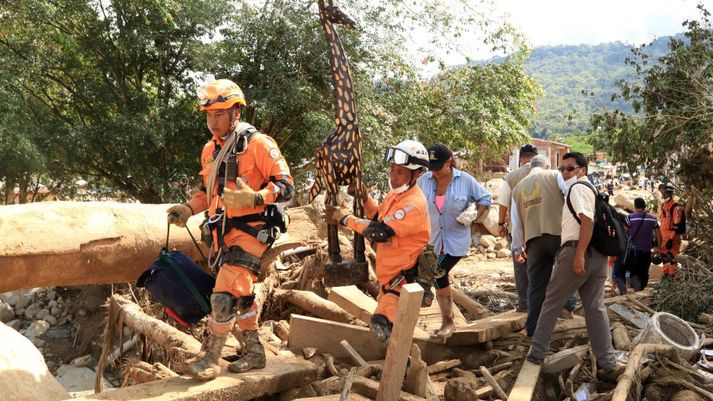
(338, 160)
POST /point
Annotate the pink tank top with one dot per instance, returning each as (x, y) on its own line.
(440, 201)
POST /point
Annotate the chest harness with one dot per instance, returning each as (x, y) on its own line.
(224, 170)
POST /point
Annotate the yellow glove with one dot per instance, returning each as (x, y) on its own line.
(335, 214)
(242, 198)
(179, 214)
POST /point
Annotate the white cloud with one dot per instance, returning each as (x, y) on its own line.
(555, 22)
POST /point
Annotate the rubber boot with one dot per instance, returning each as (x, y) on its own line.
(254, 355)
(206, 367)
(445, 303)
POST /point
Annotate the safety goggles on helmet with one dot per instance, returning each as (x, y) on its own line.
(219, 99)
(398, 156)
(220, 94)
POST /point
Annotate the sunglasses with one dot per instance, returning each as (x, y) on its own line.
(568, 168)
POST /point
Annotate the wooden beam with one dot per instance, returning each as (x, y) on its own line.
(325, 335)
(400, 342)
(370, 388)
(525, 383)
(354, 301)
(417, 374)
(475, 308)
(440, 366)
(494, 384)
(636, 318)
(280, 374)
(564, 359)
(488, 329)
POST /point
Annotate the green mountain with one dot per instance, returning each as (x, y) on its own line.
(578, 81)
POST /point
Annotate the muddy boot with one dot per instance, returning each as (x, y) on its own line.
(254, 355)
(206, 367)
(445, 303)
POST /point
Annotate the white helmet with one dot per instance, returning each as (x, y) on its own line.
(410, 154)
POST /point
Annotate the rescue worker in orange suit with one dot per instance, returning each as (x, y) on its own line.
(399, 228)
(243, 174)
(673, 224)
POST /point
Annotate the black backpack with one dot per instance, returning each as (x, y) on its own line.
(608, 235)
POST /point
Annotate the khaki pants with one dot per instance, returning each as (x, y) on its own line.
(563, 284)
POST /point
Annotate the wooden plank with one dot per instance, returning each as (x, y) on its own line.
(441, 366)
(352, 353)
(325, 335)
(564, 359)
(400, 341)
(634, 317)
(280, 374)
(335, 397)
(370, 388)
(488, 329)
(525, 383)
(429, 318)
(354, 301)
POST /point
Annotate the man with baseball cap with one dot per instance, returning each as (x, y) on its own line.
(527, 152)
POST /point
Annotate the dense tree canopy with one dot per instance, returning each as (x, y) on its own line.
(104, 89)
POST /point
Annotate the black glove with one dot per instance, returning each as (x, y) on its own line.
(669, 245)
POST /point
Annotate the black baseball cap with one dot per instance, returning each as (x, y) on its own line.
(438, 153)
(528, 148)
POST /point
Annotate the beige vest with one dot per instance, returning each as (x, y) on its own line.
(539, 202)
(514, 177)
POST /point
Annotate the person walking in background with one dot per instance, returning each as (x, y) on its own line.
(641, 227)
(527, 152)
(673, 225)
(448, 192)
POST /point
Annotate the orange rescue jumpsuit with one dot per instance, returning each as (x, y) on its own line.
(669, 219)
(261, 161)
(407, 215)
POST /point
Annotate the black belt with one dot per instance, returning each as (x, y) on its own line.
(572, 243)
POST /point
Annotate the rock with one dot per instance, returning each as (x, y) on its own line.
(501, 243)
(82, 360)
(37, 328)
(78, 379)
(38, 342)
(6, 312)
(51, 295)
(493, 186)
(9, 297)
(51, 320)
(15, 324)
(51, 304)
(43, 313)
(32, 310)
(58, 334)
(24, 373)
(24, 298)
(82, 312)
(19, 311)
(503, 253)
(490, 220)
(491, 255)
(56, 311)
(462, 387)
(51, 365)
(486, 241)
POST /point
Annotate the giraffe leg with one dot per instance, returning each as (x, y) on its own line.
(333, 234)
(358, 243)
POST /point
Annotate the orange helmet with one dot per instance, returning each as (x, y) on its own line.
(220, 94)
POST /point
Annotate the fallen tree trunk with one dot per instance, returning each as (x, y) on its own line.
(317, 305)
(178, 345)
(49, 244)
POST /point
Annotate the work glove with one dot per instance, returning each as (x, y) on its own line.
(351, 190)
(242, 198)
(669, 245)
(334, 214)
(179, 214)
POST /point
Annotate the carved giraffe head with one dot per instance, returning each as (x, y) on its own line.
(335, 14)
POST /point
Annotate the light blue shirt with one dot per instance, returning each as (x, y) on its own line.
(446, 233)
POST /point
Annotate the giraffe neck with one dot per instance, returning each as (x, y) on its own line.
(341, 74)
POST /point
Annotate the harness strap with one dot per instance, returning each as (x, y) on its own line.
(236, 256)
